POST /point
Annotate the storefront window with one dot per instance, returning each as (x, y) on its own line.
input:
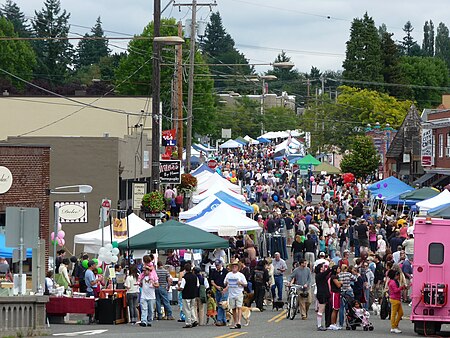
(441, 145)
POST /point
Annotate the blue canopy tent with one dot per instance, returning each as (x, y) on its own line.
(393, 200)
(389, 187)
(8, 252)
(262, 140)
(202, 168)
(201, 147)
(234, 202)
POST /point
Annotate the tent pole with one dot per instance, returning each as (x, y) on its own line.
(229, 255)
(128, 241)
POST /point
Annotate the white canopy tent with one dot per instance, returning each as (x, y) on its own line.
(223, 219)
(197, 209)
(230, 144)
(436, 201)
(250, 140)
(281, 134)
(203, 177)
(92, 240)
(292, 147)
(214, 189)
(213, 180)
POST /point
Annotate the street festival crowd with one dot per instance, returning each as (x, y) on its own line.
(347, 260)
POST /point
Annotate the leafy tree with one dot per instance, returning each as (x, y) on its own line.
(409, 45)
(16, 57)
(363, 159)
(218, 47)
(90, 52)
(363, 55)
(54, 55)
(280, 118)
(11, 11)
(443, 44)
(139, 56)
(428, 39)
(425, 71)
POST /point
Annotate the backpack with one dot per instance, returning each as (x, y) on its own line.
(202, 291)
(259, 276)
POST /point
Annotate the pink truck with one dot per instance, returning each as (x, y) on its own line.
(431, 275)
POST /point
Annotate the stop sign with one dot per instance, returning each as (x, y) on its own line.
(106, 205)
(212, 164)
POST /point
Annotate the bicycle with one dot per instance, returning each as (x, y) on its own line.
(292, 301)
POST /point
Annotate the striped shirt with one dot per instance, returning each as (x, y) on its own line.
(163, 275)
(346, 278)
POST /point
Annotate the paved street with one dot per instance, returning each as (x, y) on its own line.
(265, 324)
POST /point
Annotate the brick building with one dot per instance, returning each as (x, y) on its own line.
(382, 138)
(24, 181)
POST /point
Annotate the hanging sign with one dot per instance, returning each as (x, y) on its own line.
(170, 171)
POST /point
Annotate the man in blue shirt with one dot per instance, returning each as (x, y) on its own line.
(89, 278)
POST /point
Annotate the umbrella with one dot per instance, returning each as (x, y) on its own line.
(308, 160)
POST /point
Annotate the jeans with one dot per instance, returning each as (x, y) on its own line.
(180, 302)
(332, 253)
(343, 307)
(298, 256)
(279, 285)
(367, 297)
(221, 318)
(147, 310)
(163, 297)
(132, 301)
(356, 243)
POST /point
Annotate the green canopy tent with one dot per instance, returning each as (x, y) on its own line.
(174, 235)
(420, 194)
(308, 160)
(327, 167)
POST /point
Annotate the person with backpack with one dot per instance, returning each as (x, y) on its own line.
(260, 279)
(201, 298)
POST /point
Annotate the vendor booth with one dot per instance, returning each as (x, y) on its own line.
(230, 144)
(215, 189)
(202, 168)
(214, 180)
(388, 188)
(442, 199)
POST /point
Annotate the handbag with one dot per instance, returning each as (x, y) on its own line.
(202, 291)
(385, 307)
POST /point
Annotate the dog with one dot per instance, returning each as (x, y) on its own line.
(277, 304)
(246, 312)
(376, 307)
(248, 299)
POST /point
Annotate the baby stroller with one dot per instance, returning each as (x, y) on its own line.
(355, 317)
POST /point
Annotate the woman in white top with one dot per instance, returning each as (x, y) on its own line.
(132, 286)
(381, 246)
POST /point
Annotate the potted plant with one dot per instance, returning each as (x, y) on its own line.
(153, 202)
(188, 183)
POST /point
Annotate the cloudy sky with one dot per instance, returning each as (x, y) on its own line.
(313, 32)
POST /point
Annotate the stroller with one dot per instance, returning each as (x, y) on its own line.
(355, 317)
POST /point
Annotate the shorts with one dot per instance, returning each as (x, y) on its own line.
(236, 302)
(322, 299)
(290, 233)
(364, 242)
(336, 300)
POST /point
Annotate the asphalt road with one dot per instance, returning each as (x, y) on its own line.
(266, 324)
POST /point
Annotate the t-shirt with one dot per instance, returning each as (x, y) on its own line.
(232, 279)
(334, 288)
(88, 278)
(148, 290)
(362, 231)
(131, 284)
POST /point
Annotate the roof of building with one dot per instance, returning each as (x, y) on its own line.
(412, 119)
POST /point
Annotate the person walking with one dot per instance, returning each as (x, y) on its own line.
(335, 286)
(260, 280)
(217, 278)
(188, 288)
(148, 295)
(279, 267)
(132, 286)
(162, 296)
(302, 276)
(200, 297)
(235, 283)
(323, 274)
(395, 291)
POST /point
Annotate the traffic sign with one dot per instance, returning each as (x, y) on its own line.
(106, 205)
(212, 164)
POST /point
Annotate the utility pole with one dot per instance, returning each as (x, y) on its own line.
(156, 67)
(179, 89)
(194, 6)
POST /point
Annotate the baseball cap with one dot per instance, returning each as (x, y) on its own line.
(218, 261)
(322, 254)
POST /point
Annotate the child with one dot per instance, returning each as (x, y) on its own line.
(361, 313)
(211, 307)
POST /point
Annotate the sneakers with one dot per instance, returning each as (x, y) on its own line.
(396, 330)
(321, 328)
(334, 327)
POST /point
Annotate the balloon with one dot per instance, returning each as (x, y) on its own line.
(54, 242)
(378, 186)
(85, 263)
(59, 240)
(102, 251)
(108, 247)
(115, 251)
(114, 259)
(95, 260)
(59, 226)
(52, 236)
(115, 244)
(99, 271)
(312, 178)
(61, 234)
(62, 241)
(385, 185)
(107, 260)
(380, 195)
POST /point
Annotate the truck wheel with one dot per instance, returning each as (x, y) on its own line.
(425, 328)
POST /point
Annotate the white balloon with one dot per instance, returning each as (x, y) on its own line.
(107, 261)
(102, 250)
(101, 258)
(115, 251)
(109, 246)
(114, 259)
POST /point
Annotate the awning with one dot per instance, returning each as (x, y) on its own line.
(422, 179)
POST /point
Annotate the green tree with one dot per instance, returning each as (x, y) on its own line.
(425, 71)
(280, 118)
(140, 57)
(218, 47)
(11, 11)
(363, 159)
(90, 52)
(428, 39)
(16, 57)
(443, 44)
(409, 45)
(54, 55)
(363, 54)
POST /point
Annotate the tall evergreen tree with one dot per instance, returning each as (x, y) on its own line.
(409, 45)
(11, 11)
(428, 39)
(363, 55)
(443, 43)
(218, 47)
(54, 55)
(90, 52)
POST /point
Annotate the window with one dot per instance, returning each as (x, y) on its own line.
(436, 253)
(2, 220)
(441, 145)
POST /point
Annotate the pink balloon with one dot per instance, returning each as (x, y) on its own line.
(62, 241)
(52, 236)
(61, 234)
(59, 226)
(59, 241)
(312, 178)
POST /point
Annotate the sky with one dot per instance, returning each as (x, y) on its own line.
(312, 32)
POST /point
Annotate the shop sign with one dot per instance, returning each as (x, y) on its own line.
(6, 179)
(139, 190)
(72, 212)
(427, 148)
(170, 172)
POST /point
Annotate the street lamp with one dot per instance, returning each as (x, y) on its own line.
(82, 189)
(263, 79)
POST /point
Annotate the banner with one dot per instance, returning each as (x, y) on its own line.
(169, 138)
(427, 148)
(170, 172)
(120, 228)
